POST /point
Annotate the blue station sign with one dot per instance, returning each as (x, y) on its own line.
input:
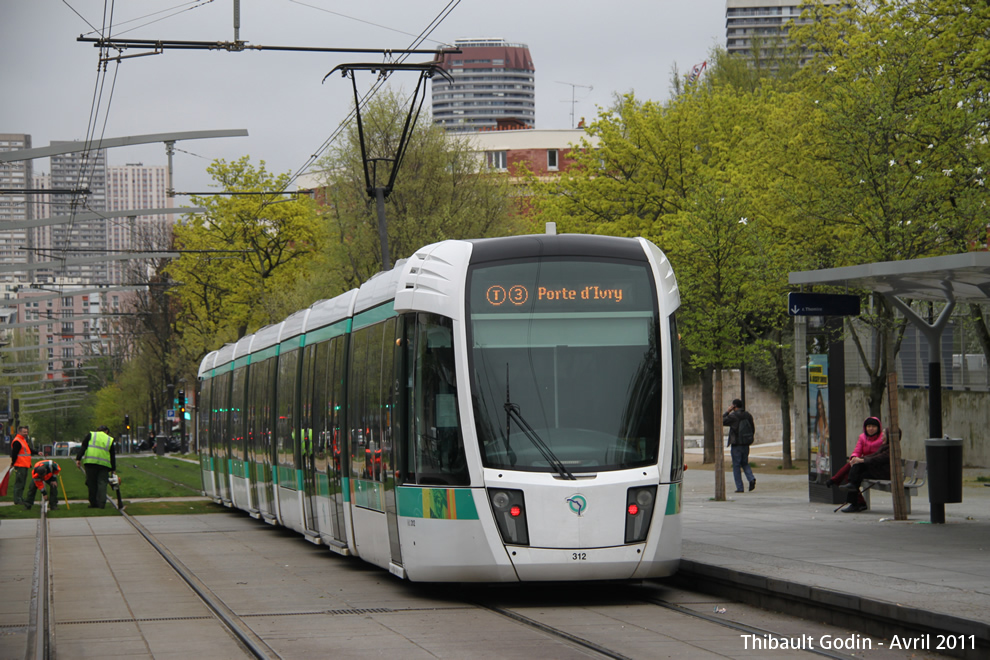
(822, 304)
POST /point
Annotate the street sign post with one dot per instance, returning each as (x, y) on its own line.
(822, 304)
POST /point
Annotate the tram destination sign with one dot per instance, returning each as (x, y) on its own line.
(822, 304)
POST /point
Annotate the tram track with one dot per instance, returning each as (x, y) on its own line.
(607, 620)
(41, 615)
(234, 624)
(646, 594)
(741, 627)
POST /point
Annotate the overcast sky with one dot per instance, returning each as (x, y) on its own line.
(49, 79)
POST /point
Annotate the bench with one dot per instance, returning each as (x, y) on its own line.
(915, 476)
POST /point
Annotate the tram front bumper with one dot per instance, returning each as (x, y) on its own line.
(546, 564)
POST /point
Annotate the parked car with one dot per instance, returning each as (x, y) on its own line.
(67, 448)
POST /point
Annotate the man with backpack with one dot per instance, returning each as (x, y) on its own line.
(742, 430)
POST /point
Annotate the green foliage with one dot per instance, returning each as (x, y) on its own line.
(241, 256)
(631, 172)
(140, 477)
(60, 425)
(899, 159)
(442, 191)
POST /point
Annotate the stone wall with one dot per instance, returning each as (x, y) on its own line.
(762, 404)
(965, 415)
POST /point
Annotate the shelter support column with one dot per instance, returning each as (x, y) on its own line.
(933, 335)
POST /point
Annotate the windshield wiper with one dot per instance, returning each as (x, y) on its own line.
(512, 411)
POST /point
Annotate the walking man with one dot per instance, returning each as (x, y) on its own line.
(98, 456)
(20, 459)
(742, 430)
(44, 475)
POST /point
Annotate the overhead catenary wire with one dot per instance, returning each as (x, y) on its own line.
(103, 95)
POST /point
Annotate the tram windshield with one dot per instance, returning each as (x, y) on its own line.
(565, 364)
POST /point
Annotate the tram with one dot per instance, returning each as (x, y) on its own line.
(490, 410)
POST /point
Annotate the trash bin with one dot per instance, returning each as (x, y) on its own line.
(945, 461)
(944, 457)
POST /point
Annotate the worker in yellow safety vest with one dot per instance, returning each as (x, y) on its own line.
(20, 460)
(98, 456)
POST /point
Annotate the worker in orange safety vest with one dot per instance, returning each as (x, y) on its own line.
(20, 460)
(44, 475)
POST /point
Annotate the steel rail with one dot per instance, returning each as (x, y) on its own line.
(252, 642)
(41, 618)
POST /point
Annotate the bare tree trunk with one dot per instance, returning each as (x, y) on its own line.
(717, 426)
(785, 405)
(894, 438)
(706, 415)
(980, 323)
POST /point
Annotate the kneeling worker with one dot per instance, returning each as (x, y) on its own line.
(44, 474)
(98, 456)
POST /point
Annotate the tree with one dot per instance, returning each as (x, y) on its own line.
(672, 173)
(442, 190)
(898, 144)
(635, 169)
(240, 258)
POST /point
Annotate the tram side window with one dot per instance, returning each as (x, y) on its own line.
(221, 422)
(288, 370)
(259, 417)
(237, 419)
(677, 450)
(203, 407)
(335, 402)
(306, 408)
(313, 410)
(357, 396)
(437, 445)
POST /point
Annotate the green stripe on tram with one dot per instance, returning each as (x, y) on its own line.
(436, 503)
(264, 354)
(673, 500)
(291, 344)
(373, 315)
(328, 332)
(223, 368)
(287, 477)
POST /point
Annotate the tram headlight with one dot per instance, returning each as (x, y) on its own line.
(509, 509)
(639, 512)
(500, 500)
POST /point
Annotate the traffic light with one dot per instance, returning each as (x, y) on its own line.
(182, 402)
(127, 423)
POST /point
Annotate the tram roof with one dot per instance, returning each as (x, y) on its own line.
(207, 364)
(960, 277)
(327, 312)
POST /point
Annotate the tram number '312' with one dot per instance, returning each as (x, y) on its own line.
(579, 556)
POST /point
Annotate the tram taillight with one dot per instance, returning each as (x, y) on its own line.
(639, 512)
(509, 508)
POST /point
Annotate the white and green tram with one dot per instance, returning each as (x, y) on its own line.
(491, 410)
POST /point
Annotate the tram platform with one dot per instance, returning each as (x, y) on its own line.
(770, 541)
(775, 544)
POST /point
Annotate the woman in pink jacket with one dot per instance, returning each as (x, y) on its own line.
(870, 448)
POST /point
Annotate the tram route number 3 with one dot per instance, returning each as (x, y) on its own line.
(519, 295)
(579, 556)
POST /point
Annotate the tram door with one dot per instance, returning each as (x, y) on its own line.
(306, 448)
(371, 401)
(219, 437)
(259, 446)
(323, 373)
(334, 399)
(204, 419)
